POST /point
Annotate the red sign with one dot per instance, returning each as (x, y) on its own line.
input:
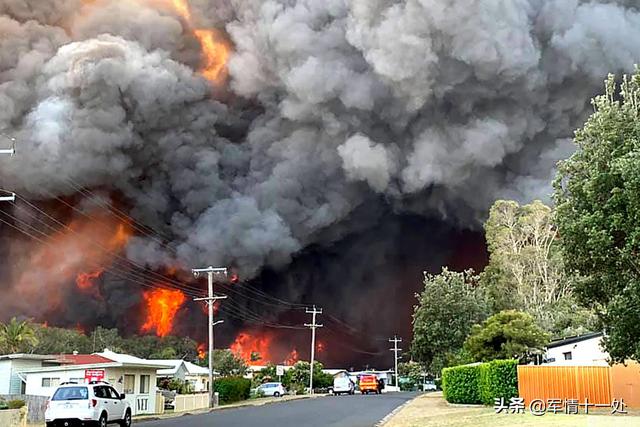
(94, 375)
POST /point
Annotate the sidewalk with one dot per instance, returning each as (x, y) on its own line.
(245, 403)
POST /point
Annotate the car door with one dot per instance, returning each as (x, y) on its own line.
(100, 393)
(117, 406)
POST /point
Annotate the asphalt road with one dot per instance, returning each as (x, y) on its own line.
(335, 411)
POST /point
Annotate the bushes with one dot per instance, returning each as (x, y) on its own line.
(232, 389)
(460, 384)
(16, 404)
(498, 378)
(481, 383)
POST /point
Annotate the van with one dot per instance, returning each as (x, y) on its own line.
(342, 384)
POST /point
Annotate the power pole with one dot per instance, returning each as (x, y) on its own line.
(10, 151)
(395, 350)
(210, 300)
(313, 325)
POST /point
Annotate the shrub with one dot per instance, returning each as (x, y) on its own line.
(3, 404)
(438, 382)
(498, 378)
(232, 389)
(16, 404)
(481, 383)
(460, 384)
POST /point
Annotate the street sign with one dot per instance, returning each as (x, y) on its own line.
(279, 370)
(93, 375)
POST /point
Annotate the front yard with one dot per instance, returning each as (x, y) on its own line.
(432, 410)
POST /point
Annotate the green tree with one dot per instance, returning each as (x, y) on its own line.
(18, 336)
(509, 334)
(228, 364)
(297, 378)
(412, 372)
(52, 340)
(450, 304)
(526, 268)
(597, 194)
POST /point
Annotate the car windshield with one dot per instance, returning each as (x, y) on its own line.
(71, 393)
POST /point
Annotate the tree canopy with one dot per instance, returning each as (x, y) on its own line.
(597, 194)
(228, 364)
(509, 334)
(450, 304)
(17, 335)
(526, 268)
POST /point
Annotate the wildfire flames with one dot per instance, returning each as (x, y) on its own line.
(259, 349)
(202, 352)
(84, 281)
(91, 242)
(162, 307)
(215, 49)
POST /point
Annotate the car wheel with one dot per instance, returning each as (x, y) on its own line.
(127, 420)
(102, 421)
(276, 394)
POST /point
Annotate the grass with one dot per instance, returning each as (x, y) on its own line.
(431, 410)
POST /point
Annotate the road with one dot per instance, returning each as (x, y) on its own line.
(335, 411)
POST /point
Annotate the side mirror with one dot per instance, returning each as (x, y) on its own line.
(122, 396)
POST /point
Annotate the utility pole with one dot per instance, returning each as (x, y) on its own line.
(395, 350)
(210, 300)
(313, 325)
(10, 151)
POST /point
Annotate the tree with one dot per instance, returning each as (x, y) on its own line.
(297, 378)
(412, 372)
(448, 306)
(53, 340)
(228, 364)
(509, 334)
(526, 268)
(18, 336)
(597, 211)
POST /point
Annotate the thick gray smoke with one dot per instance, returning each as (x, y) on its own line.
(430, 107)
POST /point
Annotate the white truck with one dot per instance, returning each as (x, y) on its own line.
(343, 384)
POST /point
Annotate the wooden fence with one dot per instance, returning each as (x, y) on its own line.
(189, 402)
(597, 384)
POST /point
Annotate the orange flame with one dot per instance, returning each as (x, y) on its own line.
(292, 358)
(52, 266)
(202, 352)
(320, 346)
(234, 278)
(183, 9)
(84, 281)
(247, 346)
(162, 307)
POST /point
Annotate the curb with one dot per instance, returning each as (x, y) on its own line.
(221, 408)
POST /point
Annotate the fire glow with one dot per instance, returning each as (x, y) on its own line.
(258, 348)
(162, 307)
(215, 49)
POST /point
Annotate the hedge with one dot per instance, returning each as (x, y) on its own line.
(481, 383)
(498, 378)
(232, 389)
(460, 384)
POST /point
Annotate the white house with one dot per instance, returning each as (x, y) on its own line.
(12, 364)
(134, 377)
(195, 375)
(579, 350)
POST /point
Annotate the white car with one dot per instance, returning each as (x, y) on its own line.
(272, 389)
(343, 385)
(87, 404)
(429, 386)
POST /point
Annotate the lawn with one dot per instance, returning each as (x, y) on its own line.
(432, 410)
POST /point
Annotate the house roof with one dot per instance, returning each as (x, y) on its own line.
(82, 359)
(128, 360)
(173, 365)
(575, 339)
(194, 369)
(24, 356)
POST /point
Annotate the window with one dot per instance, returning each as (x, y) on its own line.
(71, 393)
(114, 393)
(129, 384)
(50, 382)
(100, 391)
(144, 384)
(567, 355)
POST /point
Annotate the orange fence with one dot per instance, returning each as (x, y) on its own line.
(565, 382)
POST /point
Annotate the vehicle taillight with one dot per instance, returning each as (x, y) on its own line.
(48, 404)
(93, 403)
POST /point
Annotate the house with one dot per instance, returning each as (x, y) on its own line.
(189, 372)
(134, 377)
(578, 350)
(12, 364)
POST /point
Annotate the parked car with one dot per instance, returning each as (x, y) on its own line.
(271, 389)
(343, 385)
(369, 384)
(429, 386)
(87, 404)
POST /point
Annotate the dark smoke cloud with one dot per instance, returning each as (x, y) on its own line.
(431, 108)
